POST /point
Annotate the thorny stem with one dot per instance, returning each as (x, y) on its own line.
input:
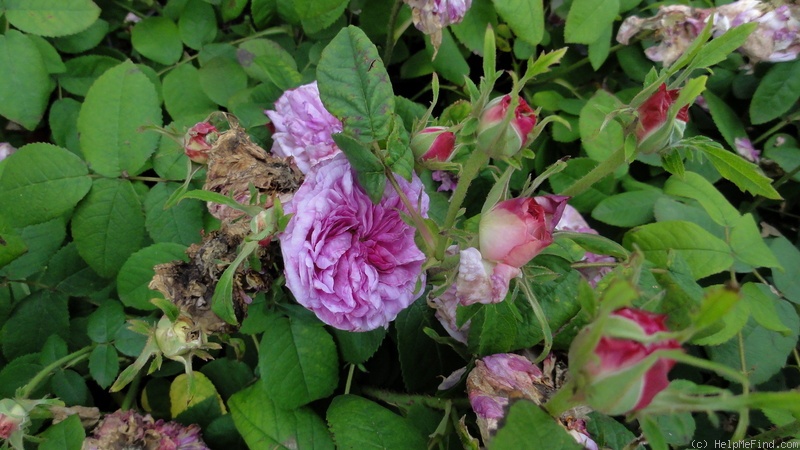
(605, 168)
(470, 170)
(390, 39)
(66, 361)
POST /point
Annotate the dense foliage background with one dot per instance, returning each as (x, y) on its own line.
(98, 95)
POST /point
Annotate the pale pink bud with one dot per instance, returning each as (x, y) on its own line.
(514, 231)
(499, 139)
(198, 142)
(6, 150)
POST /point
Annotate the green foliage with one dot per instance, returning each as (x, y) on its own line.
(378, 427)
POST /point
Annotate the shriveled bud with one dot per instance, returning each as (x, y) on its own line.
(198, 141)
(500, 139)
(433, 144)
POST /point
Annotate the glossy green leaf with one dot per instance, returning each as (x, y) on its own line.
(67, 272)
(13, 245)
(355, 87)
(748, 245)
(420, 359)
(82, 71)
(41, 182)
(263, 424)
(527, 422)
(157, 38)
(587, 20)
(762, 303)
(105, 321)
(368, 167)
(63, 123)
(627, 209)
(120, 102)
(85, 40)
(298, 362)
(51, 19)
(741, 172)
(705, 254)
(694, 186)
(26, 85)
(320, 14)
(42, 240)
(221, 78)
(135, 275)
(104, 365)
(777, 92)
(108, 226)
(359, 423)
(717, 49)
(600, 136)
(181, 223)
(70, 387)
(25, 331)
(232, 9)
(187, 391)
(183, 96)
(725, 118)
(577, 168)
(785, 277)
(197, 24)
(65, 435)
(50, 56)
(358, 347)
(524, 17)
(470, 31)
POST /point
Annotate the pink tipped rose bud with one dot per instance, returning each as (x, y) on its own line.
(621, 376)
(12, 417)
(516, 230)
(498, 138)
(655, 128)
(433, 144)
(198, 142)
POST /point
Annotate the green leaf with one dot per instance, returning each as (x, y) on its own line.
(41, 182)
(599, 135)
(785, 277)
(251, 52)
(696, 187)
(67, 272)
(576, 169)
(63, 123)
(197, 24)
(704, 253)
(25, 331)
(359, 423)
(607, 432)
(588, 19)
(355, 87)
(298, 362)
(722, 314)
(762, 307)
(65, 435)
(105, 321)
(717, 49)
(49, 18)
(524, 17)
(368, 167)
(70, 387)
(764, 351)
(742, 173)
(777, 92)
(12, 246)
(748, 245)
(600, 49)
(357, 348)
(400, 159)
(221, 78)
(527, 422)
(181, 223)
(82, 72)
(104, 365)
(228, 375)
(108, 226)
(183, 96)
(135, 275)
(472, 29)
(320, 14)
(52, 60)
(120, 102)
(232, 9)
(263, 424)
(281, 74)
(420, 359)
(449, 62)
(157, 38)
(725, 118)
(26, 85)
(627, 209)
(595, 243)
(85, 40)
(188, 390)
(42, 240)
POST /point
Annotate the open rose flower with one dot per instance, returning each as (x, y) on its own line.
(621, 375)
(516, 230)
(656, 129)
(351, 262)
(501, 139)
(303, 127)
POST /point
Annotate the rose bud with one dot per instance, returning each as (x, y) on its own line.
(198, 141)
(430, 16)
(620, 375)
(12, 417)
(656, 129)
(433, 144)
(516, 230)
(500, 139)
(176, 340)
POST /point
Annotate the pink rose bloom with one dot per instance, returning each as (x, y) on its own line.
(6, 150)
(516, 230)
(615, 359)
(496, 137)
(433, 144)
(353, 263)
(303, 127)
(198, 142)
(572, 220)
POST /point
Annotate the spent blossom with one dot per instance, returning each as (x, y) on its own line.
(198, 141)
(621, 374)
(777, 37)
(303, 127)
(6, 150)
(674, 28)
(431, 16)
(745, 149)
(353, 263)
(129, 429)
